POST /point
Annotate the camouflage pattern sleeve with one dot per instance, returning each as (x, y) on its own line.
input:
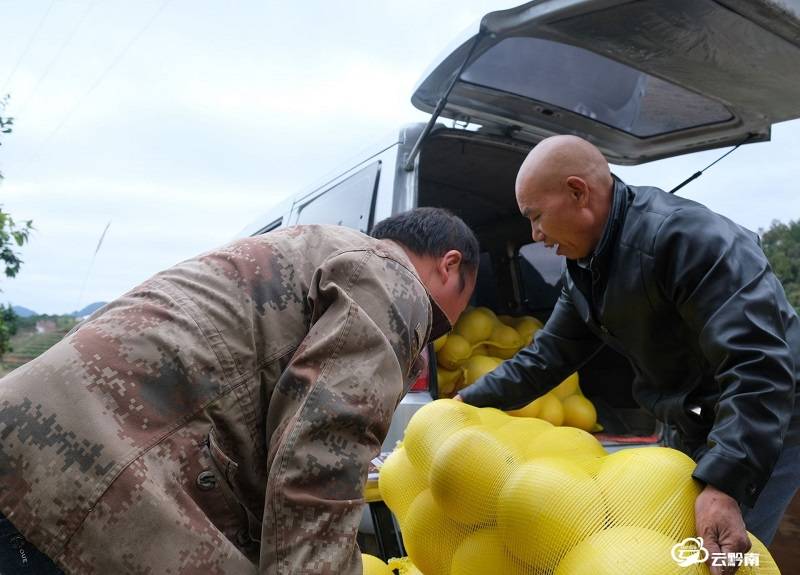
(332, 407)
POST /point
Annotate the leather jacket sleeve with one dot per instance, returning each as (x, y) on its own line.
(562, 346)
(721, 285)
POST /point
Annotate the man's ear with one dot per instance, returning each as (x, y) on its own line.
(450, 263)
(579, 190)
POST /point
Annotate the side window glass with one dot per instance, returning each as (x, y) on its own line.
(540, 271)
(269, 227)
(349, 203)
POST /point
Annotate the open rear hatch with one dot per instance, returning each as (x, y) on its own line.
(642, 79)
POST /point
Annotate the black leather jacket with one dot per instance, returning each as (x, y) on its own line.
(689, 298)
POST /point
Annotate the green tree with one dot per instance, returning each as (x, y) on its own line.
(8, 327)
(781, 243)
(12, 236)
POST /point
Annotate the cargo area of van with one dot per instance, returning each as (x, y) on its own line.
(472, 175)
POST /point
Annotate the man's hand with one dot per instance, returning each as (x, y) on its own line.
(719, 522)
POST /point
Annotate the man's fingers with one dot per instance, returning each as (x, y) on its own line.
(713, 548)
(720, 524)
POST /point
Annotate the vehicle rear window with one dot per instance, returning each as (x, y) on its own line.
(349, 203)
(591, 85)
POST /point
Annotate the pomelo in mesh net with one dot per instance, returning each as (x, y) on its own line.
(432, 425)
(374, 566)
(478, 492)
(455, 478)
(399, 482)
(494, 417)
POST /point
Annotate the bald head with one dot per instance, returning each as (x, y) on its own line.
(556, 158)
(564, 187)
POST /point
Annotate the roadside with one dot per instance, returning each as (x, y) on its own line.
(33, 338)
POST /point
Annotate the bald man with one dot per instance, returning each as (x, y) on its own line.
(689, 298)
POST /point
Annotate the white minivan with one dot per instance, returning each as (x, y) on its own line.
(641, 79)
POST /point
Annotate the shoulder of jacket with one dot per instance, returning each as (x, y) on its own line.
(653, 212)
(376, 252)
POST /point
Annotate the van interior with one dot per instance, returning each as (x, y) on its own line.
(472, 174)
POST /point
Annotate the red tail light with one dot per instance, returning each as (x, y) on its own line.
(423, 381)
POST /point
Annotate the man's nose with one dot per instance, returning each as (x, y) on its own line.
(536, 233)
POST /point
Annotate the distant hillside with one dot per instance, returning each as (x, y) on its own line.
(23, 311)
(89, 309)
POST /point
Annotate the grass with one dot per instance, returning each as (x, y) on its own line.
(27, 345)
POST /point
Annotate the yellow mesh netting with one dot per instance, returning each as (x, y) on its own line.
(476, 491)
(374, 566)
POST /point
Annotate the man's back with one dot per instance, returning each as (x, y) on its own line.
(156, 424)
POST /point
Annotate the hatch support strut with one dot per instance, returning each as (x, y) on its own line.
(409, 164)
(700, 173)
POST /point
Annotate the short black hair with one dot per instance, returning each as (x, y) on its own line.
(432, 232)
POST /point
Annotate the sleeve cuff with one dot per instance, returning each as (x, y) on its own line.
(732, 477)
(473, 395)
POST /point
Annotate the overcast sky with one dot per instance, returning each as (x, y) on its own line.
(179, 121)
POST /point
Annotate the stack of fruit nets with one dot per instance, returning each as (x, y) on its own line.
(478, 492)
(481, 341)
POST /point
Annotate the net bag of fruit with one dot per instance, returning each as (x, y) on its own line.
(476, 492)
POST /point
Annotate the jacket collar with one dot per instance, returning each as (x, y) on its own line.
(598, 261)
(440, 325)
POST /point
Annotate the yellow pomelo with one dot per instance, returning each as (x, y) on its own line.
(480, 349)
(430, 537)
(527, 326)
(439, 342)
(506, 320)
(650, 487)
(448, 380)
(527, 321)
(546, 508)
(483, 553)
(431, 425)
(505, 336)
(504, 342)
(479, 365)
(404, 566)
(565, 442)
(567, 387)
(455, 351)
(493, 417)
(579, 412)
(625, 550)
(374, 566)
(399, 482)
(519, 432)
(530, 410)
(468, 472)
(474, 325)
(487, 312)
(550, 409)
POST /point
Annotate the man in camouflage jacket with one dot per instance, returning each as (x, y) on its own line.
(220, 417)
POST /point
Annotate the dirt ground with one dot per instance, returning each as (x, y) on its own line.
(785, 547)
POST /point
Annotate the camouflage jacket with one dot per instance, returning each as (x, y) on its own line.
(220, 417)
